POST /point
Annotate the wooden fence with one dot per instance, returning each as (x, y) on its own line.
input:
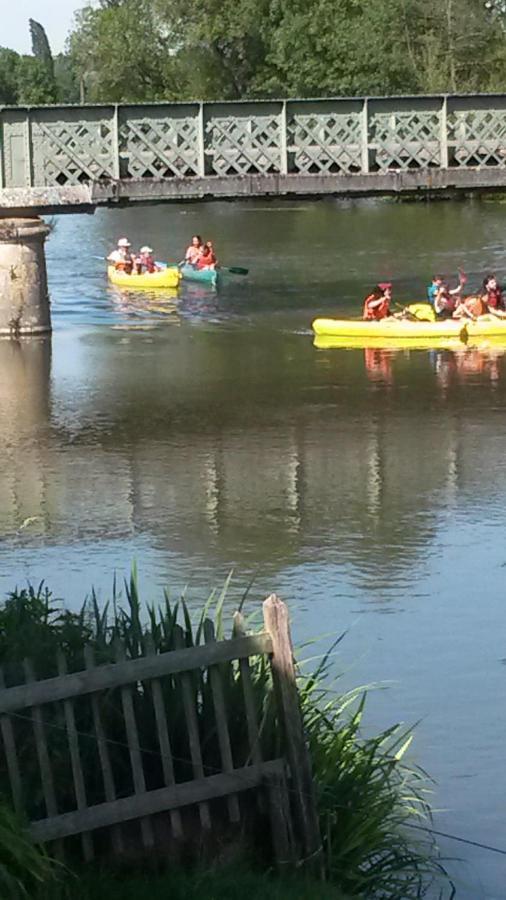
(104, 740)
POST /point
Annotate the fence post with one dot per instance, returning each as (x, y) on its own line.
(283, 671)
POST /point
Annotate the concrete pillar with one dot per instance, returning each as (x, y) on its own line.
(24, 298)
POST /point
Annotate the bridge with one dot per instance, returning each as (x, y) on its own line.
(75, 158)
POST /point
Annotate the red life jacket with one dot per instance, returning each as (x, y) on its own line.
(375, 312)
(493, 299)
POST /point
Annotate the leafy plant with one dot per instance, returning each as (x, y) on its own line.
(24, 868)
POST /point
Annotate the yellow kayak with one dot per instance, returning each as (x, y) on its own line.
(399, 329)
(165, 278)
(486, 326)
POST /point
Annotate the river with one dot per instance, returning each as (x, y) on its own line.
(204, 433)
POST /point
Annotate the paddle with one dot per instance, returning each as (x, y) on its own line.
(234, 270)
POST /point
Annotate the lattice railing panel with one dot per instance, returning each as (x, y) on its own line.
(159, 148)
(244, 146)
(477, 137)
(325, 143)
(407, 139)
(72, 152)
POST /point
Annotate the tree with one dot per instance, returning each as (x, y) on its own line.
(34, 84)
(67, 82)
(40, 45)
(123, 54)
(9, 60)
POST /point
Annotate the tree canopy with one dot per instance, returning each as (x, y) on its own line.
(150, 50)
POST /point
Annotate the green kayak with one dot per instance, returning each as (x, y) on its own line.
(205, 276)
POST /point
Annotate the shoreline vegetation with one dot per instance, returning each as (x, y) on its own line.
(134, 51)
(368, 796)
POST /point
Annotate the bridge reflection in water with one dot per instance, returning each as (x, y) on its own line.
(362, 482)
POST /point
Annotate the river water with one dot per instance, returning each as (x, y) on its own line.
(201, 433)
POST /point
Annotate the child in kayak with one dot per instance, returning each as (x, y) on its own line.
(377, 303)
(442, 298)
(146, 261)
(207, 259)
(470, 307)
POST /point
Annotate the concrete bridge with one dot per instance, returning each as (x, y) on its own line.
(71, 158)
(57, 159)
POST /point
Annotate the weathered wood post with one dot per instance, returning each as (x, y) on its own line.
(276, 622)
(24, 298)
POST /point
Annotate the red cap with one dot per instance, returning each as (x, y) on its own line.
(384, 285)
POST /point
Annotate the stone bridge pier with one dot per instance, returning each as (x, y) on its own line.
(24, 298)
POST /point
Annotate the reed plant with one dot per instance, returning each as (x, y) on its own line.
(368, 796)
(24, 868)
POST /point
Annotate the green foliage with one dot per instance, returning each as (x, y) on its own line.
(24, 868)
(123, 54)
(368, 797)
(252, 48)
(34, 83)
(226, 884)
(8, 82)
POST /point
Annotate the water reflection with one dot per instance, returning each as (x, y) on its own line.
(147, 306)
(24, 417)
(349, 475)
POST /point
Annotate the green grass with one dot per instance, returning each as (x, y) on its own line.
(24, 868)
(230, 884)
(367, 793)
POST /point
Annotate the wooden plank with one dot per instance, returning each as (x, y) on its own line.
(75, 758)
(46, 773)
(193, 730)
(11, 757)
(103, 753)
(283, 670)
(127, 702)
(249, 697)
(164, 742)
(152, 802)
(279, 810)
(114, 675)
(220, 712)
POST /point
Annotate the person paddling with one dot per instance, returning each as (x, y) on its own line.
(121, 258)
(194, 251)
(442, 298)
(470, 307)
(377, 303)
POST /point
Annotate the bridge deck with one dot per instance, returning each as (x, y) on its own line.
(77, 157)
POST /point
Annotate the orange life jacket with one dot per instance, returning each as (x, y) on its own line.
(376, 312)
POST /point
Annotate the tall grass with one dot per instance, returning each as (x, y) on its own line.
(367, 794)
(24, 868)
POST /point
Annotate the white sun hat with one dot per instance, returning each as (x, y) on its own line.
(124, 242)
(146, 250)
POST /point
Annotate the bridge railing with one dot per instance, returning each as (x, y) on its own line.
(72, 145)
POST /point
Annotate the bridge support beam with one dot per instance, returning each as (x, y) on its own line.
(24, 298)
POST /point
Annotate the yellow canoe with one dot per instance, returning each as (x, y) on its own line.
(165, 278)
(402, 330)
